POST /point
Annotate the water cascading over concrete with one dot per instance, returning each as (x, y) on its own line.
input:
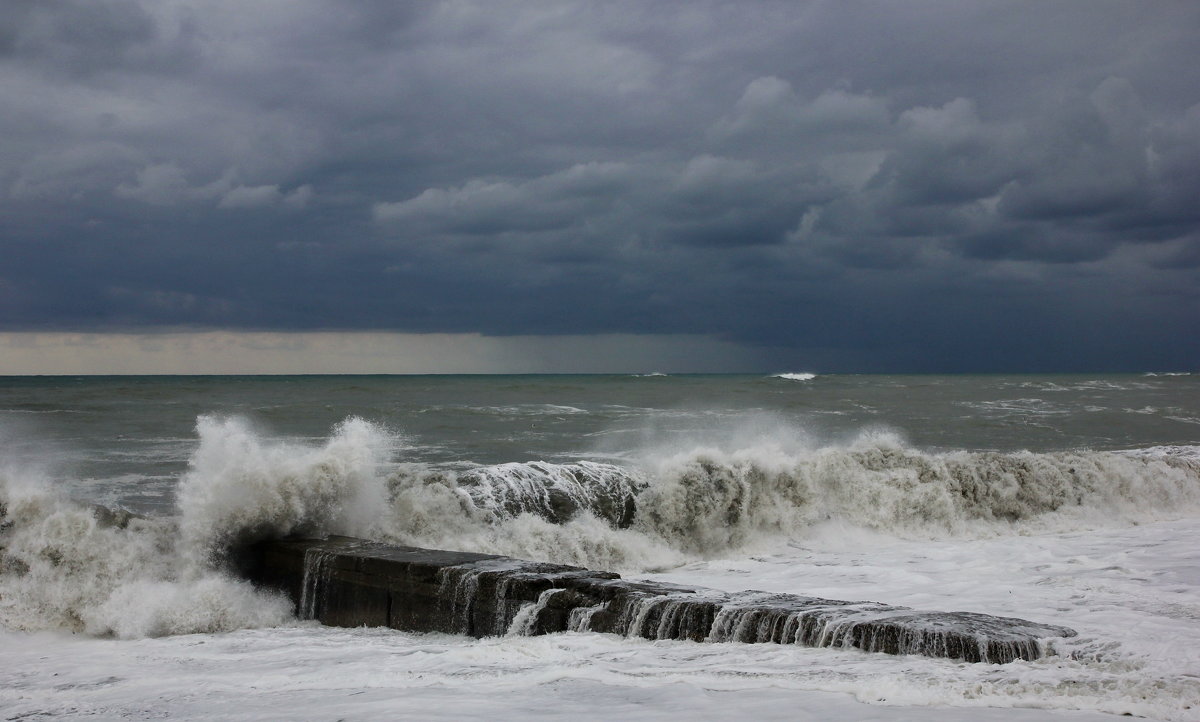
(343, 581)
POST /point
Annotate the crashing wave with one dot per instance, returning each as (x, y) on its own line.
(63, 566)
(555, 492)
(68, 566)
(707, 501)
(242, 487)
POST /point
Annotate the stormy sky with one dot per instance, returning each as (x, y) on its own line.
(831, 186)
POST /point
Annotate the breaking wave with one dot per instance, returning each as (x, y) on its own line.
(69, 566)
(242, 487)
(86, 569)
(708, 501)
(803, 376)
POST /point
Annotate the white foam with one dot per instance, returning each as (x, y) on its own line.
(707, 500)
(802, 376)
(749, 492)
(434, 517)
(207, 604)
(241, 486)
(61, 568)
(530, 410)
(1074, 538)
(755, 490)
(320, 673)
(1130, 593)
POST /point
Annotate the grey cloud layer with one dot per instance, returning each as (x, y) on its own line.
(922, 186)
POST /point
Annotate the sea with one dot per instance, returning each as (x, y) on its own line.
(1069, 500)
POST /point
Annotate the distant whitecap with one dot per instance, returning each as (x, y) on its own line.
(795, 377)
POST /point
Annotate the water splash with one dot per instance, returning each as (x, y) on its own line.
(525, 623)
(318, 570)
(65, 566)
(242, 487)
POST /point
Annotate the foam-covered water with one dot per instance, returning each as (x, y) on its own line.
(1072, 501)
(710, 501)
(64, 567)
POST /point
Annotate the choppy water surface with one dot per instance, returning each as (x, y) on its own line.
(1068, 500)
(131, 432)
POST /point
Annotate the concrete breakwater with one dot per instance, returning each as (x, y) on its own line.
(343, 581)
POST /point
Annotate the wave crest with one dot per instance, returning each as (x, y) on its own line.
(66, 566)
(62, 565)
(708, 500)
(242, 488)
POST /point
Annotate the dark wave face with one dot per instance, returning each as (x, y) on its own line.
(555, 492)
(707, 501)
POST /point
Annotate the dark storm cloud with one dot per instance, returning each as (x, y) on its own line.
(933, 185)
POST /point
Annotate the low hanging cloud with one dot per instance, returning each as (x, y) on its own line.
(770, 109)
(925, 186)
(480, 206)
(166, 185)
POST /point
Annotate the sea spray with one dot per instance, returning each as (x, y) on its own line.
(63, 567)
(708, 501)
(555, 492)
(241, 488)
(1128, 587)
(670, 505)
(444, 509)
(205, 603)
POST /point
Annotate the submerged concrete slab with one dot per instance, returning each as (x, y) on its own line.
(343, 581)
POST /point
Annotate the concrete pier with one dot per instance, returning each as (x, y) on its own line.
(343, 581)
